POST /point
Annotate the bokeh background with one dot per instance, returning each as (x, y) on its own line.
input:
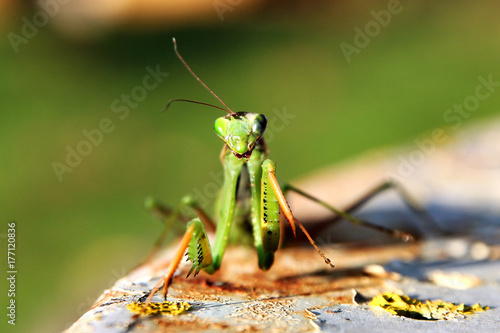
(61, 74)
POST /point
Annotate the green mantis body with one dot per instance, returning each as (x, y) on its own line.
(244, 152)
(244, 156)
(244, 130)
(248, 176)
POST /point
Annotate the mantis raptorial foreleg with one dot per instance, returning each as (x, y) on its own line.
(285, 208)
(167, 279)
(195, 236)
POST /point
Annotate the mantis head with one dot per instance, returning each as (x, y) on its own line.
(241, 131)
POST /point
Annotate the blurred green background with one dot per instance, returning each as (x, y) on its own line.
(75, 237)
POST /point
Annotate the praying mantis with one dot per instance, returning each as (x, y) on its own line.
(250, 189)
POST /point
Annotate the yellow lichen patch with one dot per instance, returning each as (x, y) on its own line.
(429, 310)
(156, 308)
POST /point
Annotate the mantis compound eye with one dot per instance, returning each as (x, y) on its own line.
(259, 125)
(220, 127)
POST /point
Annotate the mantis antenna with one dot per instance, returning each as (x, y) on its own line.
(199, 80)
(191, 101)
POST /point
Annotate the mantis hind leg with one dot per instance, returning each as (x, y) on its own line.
(346, 213)
(169, 216)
